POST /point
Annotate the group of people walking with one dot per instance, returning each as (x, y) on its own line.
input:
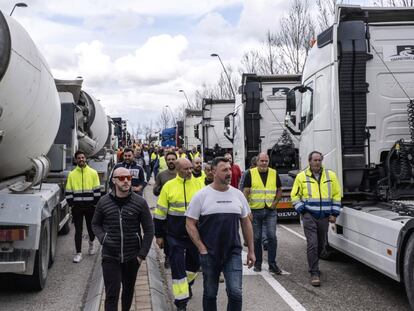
(197, 221)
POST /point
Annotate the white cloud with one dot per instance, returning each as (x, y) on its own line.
(158, 60)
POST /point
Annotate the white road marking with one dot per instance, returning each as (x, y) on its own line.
(294, 232)
(277, 287)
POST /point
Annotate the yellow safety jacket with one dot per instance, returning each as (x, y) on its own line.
(162, 165)
(262, 195)
(83, 187)
(321, 198)
(172, 203)
(201, 178)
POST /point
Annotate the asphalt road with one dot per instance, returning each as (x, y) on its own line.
(346, 284)
(66, 285)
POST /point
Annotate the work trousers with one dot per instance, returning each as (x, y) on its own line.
(184, 262)
(78, 213)
(233, 272)
(115, 273)
(265, 217)
(316, 231)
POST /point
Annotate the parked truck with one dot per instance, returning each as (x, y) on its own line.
(36, 120)
(168, 137)
(215, 142)
(355, 105)
(192, 123)
(257, 125)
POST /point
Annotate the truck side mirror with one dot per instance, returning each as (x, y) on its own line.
(196, 132)
(291, 101)
(227, 122)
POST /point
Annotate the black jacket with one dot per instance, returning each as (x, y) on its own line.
(117, 224)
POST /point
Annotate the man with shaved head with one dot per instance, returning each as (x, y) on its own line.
(117, 223)
(169, 216)
(198, 172)
(263, 189)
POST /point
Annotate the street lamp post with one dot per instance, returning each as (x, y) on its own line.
(20, 5)
(172, 113)
(225, 72)
(188, 102)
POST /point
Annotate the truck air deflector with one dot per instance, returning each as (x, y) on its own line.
(352, 54)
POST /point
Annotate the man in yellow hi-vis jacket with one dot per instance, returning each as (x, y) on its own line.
(316, 195)
(82, 191)
(172, 203)
(263, 189)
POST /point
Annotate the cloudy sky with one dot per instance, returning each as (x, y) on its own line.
(134, 55)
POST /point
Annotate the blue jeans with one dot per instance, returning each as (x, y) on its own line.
(268, 218)
(233, 270)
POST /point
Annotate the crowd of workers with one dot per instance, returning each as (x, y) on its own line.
(199, 211)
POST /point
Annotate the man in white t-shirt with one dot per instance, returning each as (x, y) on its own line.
(213, 218)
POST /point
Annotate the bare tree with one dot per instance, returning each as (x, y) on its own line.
(164, 119)
(326, 13)
(206, 91)
(251, 62)
(294, 36)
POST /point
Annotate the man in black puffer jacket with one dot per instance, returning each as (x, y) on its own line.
(117, 224)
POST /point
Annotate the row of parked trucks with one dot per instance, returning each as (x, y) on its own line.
(354, 103)
(43, 121)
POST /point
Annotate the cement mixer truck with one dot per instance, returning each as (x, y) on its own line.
(36, 120)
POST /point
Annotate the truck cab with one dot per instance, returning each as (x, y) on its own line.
(355, 105)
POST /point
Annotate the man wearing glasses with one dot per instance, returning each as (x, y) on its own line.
(117, 223)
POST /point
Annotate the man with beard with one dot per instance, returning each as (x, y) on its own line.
(160, 180)
(119, 219)
(215, 212)
(198, 170)
(137, 172)
(209, 174)
(82, 191)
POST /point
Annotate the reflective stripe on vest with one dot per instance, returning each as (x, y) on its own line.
(262, 195)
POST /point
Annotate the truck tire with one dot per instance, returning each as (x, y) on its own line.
(54, 227)
(409, 270)
(38, 280)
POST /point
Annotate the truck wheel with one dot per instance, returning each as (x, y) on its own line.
(53, 236)
(38, 280)
(409, 270)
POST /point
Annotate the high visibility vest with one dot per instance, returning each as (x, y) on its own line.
(162, 165)
(262, 195)
(201, 178)
(175, 197)
(83, 186)
(321, 198)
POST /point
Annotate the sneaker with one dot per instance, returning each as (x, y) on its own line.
(275, 269)
(257, 269)
(91, 250)
(167, 263)
(77, 258)
(315, 281)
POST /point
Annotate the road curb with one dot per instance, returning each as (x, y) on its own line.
(159, 298)
(93, 298)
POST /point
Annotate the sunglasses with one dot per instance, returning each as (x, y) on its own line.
(122, 178)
